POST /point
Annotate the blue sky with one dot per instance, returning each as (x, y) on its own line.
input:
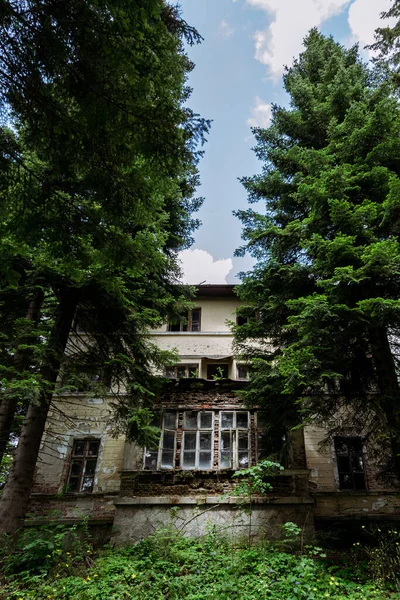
(238, 75)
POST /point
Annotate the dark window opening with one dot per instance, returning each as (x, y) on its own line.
(190, 321)
(350, 463)
(243, 372)
(217, 371)
(241, 320)
(83, 465)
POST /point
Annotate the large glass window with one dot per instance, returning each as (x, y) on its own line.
(83, 465)
(197, 440)
(163, 455)
(192, 437)
(234, 448)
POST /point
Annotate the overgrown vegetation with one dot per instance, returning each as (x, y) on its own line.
(63, 566)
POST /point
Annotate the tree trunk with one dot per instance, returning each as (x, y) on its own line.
(9, 404)
(388, 387)
(15, 499)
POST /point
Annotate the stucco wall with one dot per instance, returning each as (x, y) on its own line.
(214, 314)
(78, 417)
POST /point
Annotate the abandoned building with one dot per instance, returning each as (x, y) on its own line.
(206, 434)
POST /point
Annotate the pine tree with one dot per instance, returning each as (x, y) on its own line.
(388, 43)
(323, 299)
(98, 175)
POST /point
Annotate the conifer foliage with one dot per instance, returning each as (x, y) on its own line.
(323, 299)
(98, 155)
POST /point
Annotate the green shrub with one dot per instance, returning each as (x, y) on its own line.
(39, 550)
(168, 566)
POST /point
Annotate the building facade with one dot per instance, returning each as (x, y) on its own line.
(206, 434)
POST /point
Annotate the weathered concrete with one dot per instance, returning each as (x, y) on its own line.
(230, 518)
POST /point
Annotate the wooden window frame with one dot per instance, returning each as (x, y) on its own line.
(351, 472)
(84, 458)
(198, 430)
(234, 439)
(159, 452)
(186, 323)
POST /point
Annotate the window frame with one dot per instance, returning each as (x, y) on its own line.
(187, 366)
(186, 323)
(198, 431)
(242, 366)
(234, 440)
(348, 440)
(84, 457)
(160, 449)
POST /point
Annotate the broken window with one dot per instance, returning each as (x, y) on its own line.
(83, 465)
(217, 371)
(190, 321)
(182, 371)
(234, 450)
(350, 463)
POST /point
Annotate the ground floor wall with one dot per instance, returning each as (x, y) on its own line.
(192, 516)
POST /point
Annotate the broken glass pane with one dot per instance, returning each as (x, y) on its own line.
(87, 484)
(242, 420)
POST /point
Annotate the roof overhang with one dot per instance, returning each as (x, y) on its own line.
(219, 290)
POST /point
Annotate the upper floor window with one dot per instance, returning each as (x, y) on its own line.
(190, 321)
(182, 371)
(83, 465)
(243, 372)
(241, 320)
(350, 463)
(217, 371)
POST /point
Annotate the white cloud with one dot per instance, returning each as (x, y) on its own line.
(199, 266)
(225, 29)
(261, 114)
(363, 20)
(290, 20)
(281, 41)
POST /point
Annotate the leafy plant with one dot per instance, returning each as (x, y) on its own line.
(254, 479)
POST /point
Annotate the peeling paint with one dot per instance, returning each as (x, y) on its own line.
(380, 503)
